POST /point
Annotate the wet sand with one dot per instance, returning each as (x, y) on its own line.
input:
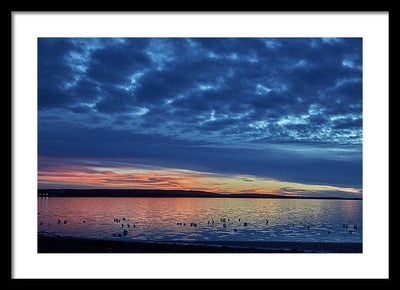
(54, 244)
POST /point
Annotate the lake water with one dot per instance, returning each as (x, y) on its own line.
(157, 219)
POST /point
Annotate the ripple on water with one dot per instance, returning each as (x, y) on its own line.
(157, 218)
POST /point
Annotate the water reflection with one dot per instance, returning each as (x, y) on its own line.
(216, 219)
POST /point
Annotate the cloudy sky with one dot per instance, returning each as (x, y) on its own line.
(231, 115)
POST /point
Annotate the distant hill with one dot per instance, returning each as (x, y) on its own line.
(161, 193)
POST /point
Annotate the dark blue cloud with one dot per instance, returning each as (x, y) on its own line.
(218, 104)
(108, 146)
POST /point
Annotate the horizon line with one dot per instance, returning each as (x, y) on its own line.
(214, 194)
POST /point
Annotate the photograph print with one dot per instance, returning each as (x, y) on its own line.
(199, 145)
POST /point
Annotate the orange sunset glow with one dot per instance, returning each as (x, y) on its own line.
(172, 179)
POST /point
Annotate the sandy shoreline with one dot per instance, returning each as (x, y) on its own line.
(49, 244)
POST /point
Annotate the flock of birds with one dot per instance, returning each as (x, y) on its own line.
(125, 224)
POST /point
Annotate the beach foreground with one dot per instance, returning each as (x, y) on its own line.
(50, 244)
